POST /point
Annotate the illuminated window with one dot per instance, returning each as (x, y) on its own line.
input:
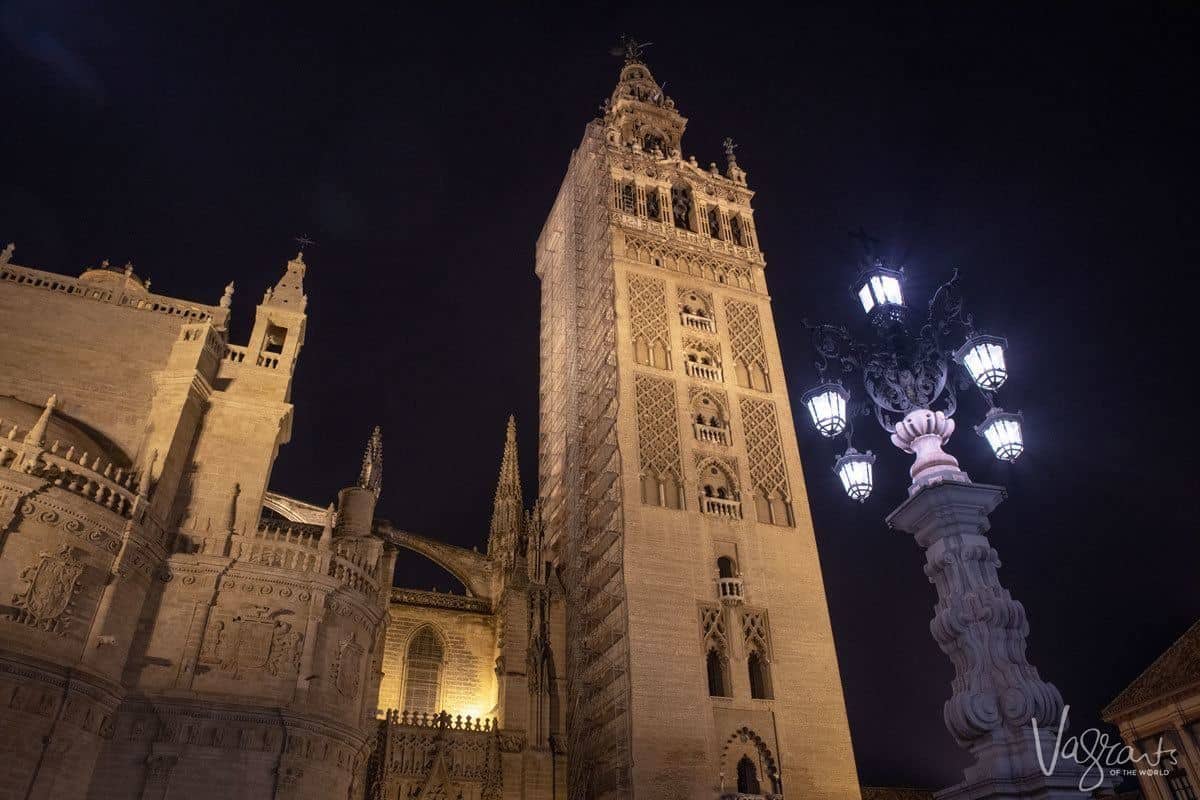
(423, 673)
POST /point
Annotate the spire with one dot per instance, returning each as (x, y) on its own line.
(371, 474)
(37, 434)
(508, 506)
(289, 292)
(639, 114)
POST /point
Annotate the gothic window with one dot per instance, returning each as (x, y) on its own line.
(682, 207)
(737, 230)
(702, 360)
(654, 144)
(709, 422)
(747, 777)
(714, 222)
(696, 310)
(627, 197)
(718, 678)
(760, 677)
(423, 673)
(718, 492)
(726, 567)
(654, 204)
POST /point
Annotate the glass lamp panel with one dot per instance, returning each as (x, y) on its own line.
(864, 294)
(1003, 434)
(856, 473)
(827, 407)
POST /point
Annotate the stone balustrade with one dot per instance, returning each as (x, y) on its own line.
(711, 433)
(139, 301)
(720, 507)
(697, 323)
(420, 719)
(705, 372)
(701, 241)
(730, 590)
(237, 354)
(294, 546)
(112, 487)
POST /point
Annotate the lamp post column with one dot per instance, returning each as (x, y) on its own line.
(977, 623)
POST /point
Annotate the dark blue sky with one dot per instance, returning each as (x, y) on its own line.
(1047, 150)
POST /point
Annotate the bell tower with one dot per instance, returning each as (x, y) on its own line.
(700, 658)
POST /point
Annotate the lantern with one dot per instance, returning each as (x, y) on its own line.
(983, 358)
(1002, 429)
(878, 290)
(826, 405)
(855, 470)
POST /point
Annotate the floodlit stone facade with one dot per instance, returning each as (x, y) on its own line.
(1159, 713)
(655, 625)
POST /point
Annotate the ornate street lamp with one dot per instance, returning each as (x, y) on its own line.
(857, 474)
(911, 372)
(879, 290)
(826, 405)
(1002, 430)
(983, 357)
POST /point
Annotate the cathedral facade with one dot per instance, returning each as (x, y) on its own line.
(655, 625)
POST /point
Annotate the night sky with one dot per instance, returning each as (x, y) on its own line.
(1048, 152)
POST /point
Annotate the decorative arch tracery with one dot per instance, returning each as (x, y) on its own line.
(745, 743)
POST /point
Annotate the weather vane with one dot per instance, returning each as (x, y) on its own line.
(303, 241)
(730, 146)
(630, 48)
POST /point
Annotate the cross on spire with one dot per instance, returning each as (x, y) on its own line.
(303, 241)
(865, 241)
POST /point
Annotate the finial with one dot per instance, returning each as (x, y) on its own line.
(730, 146)
(105, 265)
(128, 268)
(371, 474)
(631, 49)
(147, 284)
(7, 253)
(37, 434)
(326, 541)
(227, 298)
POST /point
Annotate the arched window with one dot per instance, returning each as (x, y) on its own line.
(737, 231)
(654, 204)
(682, 207)
(423, 673)
(760, 677)
(747, 777)
(718, 683)
(726, 567)
(627, 199)
(714, 222)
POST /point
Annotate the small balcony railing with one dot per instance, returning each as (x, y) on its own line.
(720, 507)
(706, 372)
(711, 433)
(730, 590)
(698, 323)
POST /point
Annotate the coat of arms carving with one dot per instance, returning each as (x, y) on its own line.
(259, 640)
(46, 601)
(348, 667)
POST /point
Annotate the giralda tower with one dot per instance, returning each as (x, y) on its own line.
(700, 658)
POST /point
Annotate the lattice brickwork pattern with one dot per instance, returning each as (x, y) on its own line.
(648, 309)
(712, 628)
(745, 334)
(756, 633)
(764, 448)
(657, 426)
